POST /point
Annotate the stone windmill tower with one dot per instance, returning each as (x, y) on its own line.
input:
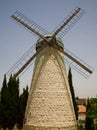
(49, 105)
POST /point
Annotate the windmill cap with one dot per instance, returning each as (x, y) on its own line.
(56, 40)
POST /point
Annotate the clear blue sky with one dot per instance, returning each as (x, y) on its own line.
(81, 39)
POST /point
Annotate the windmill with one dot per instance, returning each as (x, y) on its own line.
(49, 105)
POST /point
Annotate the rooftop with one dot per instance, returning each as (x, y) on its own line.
(81, 109)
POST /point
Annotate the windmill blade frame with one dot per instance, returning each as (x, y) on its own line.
(36, 29)
(21, 69)
(21, 61)
(68, 22)
(84, 69)
(76, 60)
(25, 65)
(79, 62)
(29, 24)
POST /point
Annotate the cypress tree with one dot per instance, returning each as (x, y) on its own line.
(22, 107)
(13, 87)
(72, 93)
(4, 104)
(88, 105)
(89, 117)
(89, 123)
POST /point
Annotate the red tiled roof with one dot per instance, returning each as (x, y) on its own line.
(81, 109)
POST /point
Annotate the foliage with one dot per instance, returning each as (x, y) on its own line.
(92, 110)
(91, 113)
(22, 107)
(89, 123)
(88, 105)
(72, 93)
(4, 104)
(12, 104)
(13, 87)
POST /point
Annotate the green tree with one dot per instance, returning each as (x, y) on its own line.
(9, 103)
(13, 87)
(72, 93)
(4, 104)
(89, 123)
(12, 105)
(88, 105)
(91, 113)
(22, 107)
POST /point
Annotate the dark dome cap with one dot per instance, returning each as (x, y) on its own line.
(57, 40)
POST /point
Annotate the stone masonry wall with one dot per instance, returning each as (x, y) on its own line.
(49, 104)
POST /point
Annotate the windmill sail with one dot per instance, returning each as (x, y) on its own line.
(24, 61)
(16, 67)
(73, 61)
(77, 64)
(68, 22)
(74, 16)
(29, 24)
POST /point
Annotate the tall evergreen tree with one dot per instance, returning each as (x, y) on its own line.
(4, 104)
(89, 123)
(90, 114)
(22, 107)
(88, 106)
(12, 106)
(13, 87)
(72, 93)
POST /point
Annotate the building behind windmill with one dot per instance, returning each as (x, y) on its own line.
(49, 104)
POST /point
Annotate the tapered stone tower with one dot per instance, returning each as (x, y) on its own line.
(49, 104)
